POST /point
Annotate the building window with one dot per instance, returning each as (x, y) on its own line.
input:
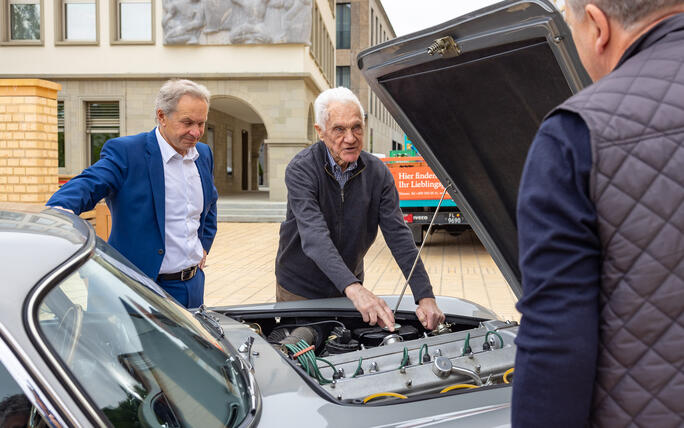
(229, 152)
(344, 76)
(24, 20)
(322, 48)
(61, 161)
(79, 19)
(371, 140)
(209, 138)
(134, 20)
(343, 25)
(102, 124)
(372, 37)
(377, 33)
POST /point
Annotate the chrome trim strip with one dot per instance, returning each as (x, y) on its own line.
(447, 417)
(30, 380)
(31, 316)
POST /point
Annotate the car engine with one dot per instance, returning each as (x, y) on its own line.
(351, 362)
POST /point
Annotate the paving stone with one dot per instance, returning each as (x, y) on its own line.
(240, 268)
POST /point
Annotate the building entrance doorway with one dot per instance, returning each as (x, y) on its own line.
(238, 134)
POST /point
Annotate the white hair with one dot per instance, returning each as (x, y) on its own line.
(333, 95)
(173, 90)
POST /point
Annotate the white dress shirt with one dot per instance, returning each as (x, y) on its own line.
(182, 207)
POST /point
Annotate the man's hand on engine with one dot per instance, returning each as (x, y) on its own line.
(372, 308)
(428, 313)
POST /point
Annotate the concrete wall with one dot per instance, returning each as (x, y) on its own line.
(277, 81)
(280, 153)
(108, 59)
(384, 128)
(28, 140)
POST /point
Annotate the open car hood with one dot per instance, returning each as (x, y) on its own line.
(471, 94)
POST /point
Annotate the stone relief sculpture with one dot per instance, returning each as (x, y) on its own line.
(236, 21)
(183, 21)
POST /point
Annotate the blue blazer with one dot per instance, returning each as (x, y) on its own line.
(130, 175)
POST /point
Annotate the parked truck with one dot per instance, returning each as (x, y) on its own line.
(419, 194)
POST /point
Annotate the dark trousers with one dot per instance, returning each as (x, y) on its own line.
(189, 293)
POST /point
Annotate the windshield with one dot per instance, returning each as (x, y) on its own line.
(142, 359)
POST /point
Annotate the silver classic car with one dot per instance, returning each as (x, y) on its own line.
(86, 339)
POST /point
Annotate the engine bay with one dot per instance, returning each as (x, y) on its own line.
(349, 361)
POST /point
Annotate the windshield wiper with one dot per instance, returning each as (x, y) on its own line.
(210, 321)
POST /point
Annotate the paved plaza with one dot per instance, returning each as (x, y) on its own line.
(240, 268)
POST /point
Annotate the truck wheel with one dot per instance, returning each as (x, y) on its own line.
(417, 232)
(457, 230)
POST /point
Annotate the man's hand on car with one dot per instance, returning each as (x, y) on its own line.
(203, 262)
(63, 209)
(372, 308)
(428, 313)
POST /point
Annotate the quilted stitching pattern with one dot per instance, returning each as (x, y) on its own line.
(636, 120)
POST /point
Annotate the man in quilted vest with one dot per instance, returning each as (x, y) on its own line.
(601, 231)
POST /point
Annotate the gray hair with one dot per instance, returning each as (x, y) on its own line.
(333, 95)
(627, 12)
(172, 91)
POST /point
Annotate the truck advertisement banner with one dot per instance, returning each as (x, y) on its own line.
(414, 179)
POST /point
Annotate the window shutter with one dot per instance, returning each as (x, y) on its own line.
(102, 117)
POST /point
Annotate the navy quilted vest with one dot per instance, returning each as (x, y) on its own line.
(635, 117)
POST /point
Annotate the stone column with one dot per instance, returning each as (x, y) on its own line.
(279, 153)
(28, 140)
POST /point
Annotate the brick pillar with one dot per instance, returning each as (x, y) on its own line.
(28, 140)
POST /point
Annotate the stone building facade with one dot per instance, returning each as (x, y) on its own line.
(361, 24)
(111, 57)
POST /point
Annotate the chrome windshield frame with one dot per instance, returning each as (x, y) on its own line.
(30, 314)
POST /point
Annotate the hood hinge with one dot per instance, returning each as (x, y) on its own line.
(445, 46)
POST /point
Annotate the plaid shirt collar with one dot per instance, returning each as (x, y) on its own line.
(340, 176)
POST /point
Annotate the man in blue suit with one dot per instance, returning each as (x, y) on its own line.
(160, 190)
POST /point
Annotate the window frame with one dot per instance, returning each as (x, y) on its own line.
(341, 31)
(115, 23)
(64, 134)
(88, 133)
(372, 29)
(322, 47)
(342, 71)
(60, 24)
(5, 23)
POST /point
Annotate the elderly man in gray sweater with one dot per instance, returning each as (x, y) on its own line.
(338, 195)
